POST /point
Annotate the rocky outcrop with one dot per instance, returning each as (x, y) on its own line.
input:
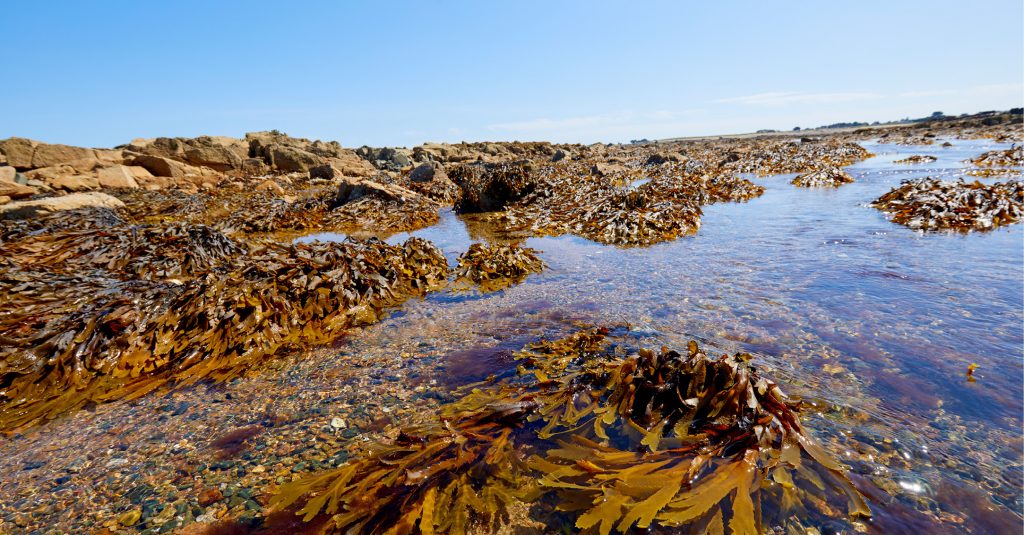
(387, 158)
(489, 188)
(49, 205)
(219, 153)
(287, 154)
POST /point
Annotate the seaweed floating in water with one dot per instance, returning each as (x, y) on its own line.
(497, 266)
(68, 340)
(933, 204)
(613, 441)
(826, 177)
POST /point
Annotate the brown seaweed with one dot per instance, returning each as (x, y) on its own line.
(826, 177)
(67, 340)
(612, 439)
(497, 266)
(933, 204)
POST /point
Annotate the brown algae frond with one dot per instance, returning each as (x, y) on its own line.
(600, 440)
(497, 266)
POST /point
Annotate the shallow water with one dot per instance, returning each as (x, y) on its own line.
(874, 319)
(874, 322)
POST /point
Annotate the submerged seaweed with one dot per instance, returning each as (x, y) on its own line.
(611, 438)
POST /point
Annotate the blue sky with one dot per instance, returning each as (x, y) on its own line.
(101, 73)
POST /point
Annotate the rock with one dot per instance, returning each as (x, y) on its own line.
(387, 158)
(18, 151)
(210, 496)
(216, 157)
(352, 189)
(491, 187)
(428, 172)
(271, 186)
(290, 159)
(47, 155)
(117, 176)
(4, 199)
(12, 190)
(49, 205)
(560, 155)
(130, 518)
(254, 167)
(605, 169)
(659, 158)
(160, 166)
(85, 165)
(109, 155)
(8, 174)
(326, 172)
(74, 183)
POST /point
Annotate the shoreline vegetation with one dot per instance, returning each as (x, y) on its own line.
(169, 263)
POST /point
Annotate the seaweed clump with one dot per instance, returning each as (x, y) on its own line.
(1011, 157)
(497, 266)
(917, 158)
(144, 252)
(71, 339)
(600, 437)
(933, 204)
(826, 177)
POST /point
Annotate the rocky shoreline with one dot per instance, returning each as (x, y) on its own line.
(167, 268)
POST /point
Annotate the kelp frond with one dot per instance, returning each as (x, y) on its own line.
(615, 441)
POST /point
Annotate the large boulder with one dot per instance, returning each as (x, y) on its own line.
(47, 155)
(117, 176)
(427, 172)
(49, 205)
(491, 187)
(160, 165)
(18, 151)
(213, 156)
(15, 191)
(291, 159)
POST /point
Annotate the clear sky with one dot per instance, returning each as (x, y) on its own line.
(100, 73)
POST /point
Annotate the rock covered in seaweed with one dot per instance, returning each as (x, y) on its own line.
(613, 437)
(497, 266)
(73, 338)
(1012, 157)
(918, 158)
(826, 177)
(934, 204)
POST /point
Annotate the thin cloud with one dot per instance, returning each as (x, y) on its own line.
(783, 98)
(625, 118)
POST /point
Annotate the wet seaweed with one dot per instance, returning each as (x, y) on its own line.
(497, 266)
(612, 438)
(68, 340)
(826, 177)
(933, 204)
(917, 158)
